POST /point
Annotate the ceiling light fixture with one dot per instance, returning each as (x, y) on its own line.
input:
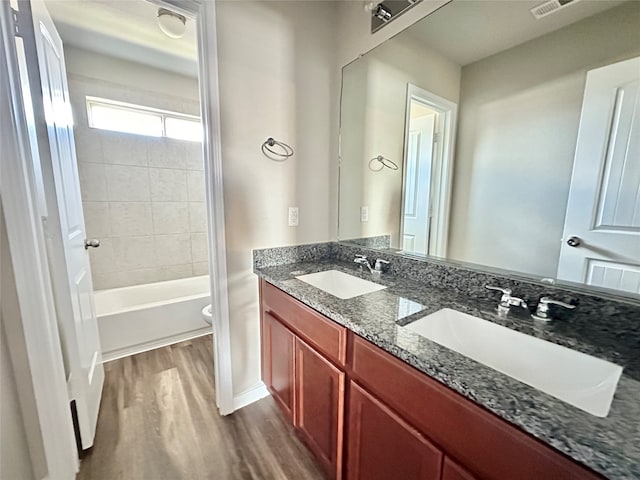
(378, 11)
(172, 24)
(383, 13)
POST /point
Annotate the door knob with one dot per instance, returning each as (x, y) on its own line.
(574, 241)
(91, 242)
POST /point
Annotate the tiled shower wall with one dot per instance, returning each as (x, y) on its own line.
(143, 197)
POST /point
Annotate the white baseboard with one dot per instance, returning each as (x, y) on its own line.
(161, 342)
(249, 396)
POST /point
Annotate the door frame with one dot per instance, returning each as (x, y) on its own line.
(442, 165)
(19, 200)
(204, 12)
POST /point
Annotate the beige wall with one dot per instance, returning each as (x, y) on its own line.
(354, 38)
(517, 130)
(354, 27)
(121, 72)
(142, 196)
(277, 78)
(374, 108)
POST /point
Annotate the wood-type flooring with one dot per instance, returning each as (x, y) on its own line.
(158, 421)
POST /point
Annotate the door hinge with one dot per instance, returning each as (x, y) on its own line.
(14, 17)
(17, 29)
(436, 137)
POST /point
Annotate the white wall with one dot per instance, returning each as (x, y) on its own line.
(15, 461)
(518, 124)
(277, 78)
(143, 197)
(14, 453)
(374, 108)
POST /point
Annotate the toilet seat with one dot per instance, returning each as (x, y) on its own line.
(207, 315)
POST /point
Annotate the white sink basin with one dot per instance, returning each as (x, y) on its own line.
(340, 284)
(581, 380)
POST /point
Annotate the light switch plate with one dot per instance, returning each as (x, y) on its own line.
(364, 214)
(293, 216)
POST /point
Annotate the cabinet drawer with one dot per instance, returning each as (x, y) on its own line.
(326, 336)
(486, 445)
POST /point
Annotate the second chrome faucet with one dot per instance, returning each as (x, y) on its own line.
(542, 310)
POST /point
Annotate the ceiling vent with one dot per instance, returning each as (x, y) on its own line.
(552, 6)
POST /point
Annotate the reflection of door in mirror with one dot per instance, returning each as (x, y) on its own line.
(603, 212)
(426, 182)
(416, 213)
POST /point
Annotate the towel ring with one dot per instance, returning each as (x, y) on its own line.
(383, 162)
(275, 150)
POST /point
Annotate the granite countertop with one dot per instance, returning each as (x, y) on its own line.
(610, 446)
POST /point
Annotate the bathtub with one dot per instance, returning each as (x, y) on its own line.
(142, 317)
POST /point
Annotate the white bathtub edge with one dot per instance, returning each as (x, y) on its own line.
(144, 306)
(250, 396)
(153, 344)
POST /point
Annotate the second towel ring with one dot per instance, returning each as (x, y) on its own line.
(275, 150)
(382, 162)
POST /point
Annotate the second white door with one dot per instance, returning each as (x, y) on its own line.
(601, 241)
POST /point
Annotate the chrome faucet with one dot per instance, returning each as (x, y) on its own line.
(362, 261)
(379, 265)
(507, 301)
(542, 312)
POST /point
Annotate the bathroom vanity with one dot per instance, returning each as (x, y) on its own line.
(350, 399)
(374, 400)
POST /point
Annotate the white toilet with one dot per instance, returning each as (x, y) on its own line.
(206, 314)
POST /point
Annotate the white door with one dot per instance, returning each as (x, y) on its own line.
(64, 221)
(417, 184)
(601, 241)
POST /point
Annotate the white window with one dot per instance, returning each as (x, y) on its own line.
(183, 128)
(128, 118)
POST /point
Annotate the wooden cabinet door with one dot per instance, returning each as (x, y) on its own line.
(278, 358)
(452, 471)
(320, 406)
(381, 446)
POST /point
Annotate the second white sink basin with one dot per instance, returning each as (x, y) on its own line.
(340, 284)
(581, 380)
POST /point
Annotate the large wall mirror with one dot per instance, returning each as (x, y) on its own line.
(492, 134)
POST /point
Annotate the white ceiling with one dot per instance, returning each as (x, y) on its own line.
(467, 31)
(126, 29)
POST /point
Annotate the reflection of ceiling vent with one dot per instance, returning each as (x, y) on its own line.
(550, 7)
